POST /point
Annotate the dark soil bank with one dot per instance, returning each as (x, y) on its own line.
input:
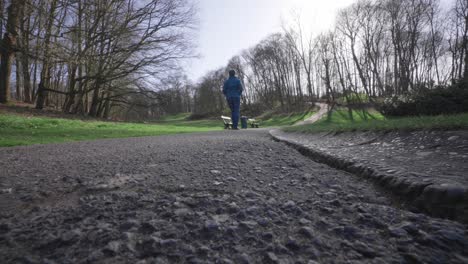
(224, 197)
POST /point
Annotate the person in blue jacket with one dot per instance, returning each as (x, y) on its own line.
(232, 90)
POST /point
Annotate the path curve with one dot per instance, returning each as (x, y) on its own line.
(317, 116)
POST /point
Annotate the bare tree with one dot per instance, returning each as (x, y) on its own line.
(461, 11)
(8, 47)
(46, 67)
(303, 46)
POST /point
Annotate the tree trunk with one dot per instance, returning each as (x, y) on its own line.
(107, 107)
(70, 98)
(18, 78)
(2, 6)
(93, 110)
(24, 27)
(465, 48)
(8, 47)
(45, 72)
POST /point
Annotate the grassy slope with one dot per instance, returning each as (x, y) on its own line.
(285, 119)
(18, 130)
(21, 130)
(376, 122)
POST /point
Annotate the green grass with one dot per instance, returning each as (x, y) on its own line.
(18, 130)
(284, 119)
(340, 122)
(180, 120)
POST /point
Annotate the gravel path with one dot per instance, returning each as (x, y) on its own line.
(221, 197)
(316, 117)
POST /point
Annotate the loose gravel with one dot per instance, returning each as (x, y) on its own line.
(221, 197)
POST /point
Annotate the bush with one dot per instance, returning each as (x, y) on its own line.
(441, 100)
(252, 110)
(198, 116)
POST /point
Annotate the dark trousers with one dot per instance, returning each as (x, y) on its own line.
(234, 104)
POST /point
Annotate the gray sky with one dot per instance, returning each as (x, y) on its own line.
(229, 26)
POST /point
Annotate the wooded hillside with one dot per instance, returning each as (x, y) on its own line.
(93, 57)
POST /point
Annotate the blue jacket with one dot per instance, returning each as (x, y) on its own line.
(232, 87)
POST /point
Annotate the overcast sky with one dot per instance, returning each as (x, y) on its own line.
(229, 26)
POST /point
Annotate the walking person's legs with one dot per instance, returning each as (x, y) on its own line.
(235, 112)
(234, 105)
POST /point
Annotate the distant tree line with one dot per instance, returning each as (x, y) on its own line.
(100, 58)
(378, 48)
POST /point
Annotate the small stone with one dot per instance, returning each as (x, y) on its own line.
(306, 231)
(178, 204)
(350, 232)
(216, 172)
(128, 224)
(304, 221)
(149, 246)
(248, 224)
(194, 260)
(204, 250)
(131, 240)
(112, 247)
(69, 236)
(241, 214)
(293, 245)
(453, 138)
(211, 225)
(225, 261)
(251, 194)
(268, 236)
(453, 193)
(263, 222)
(221, 218)
(4, 228)
(181, 212)
(290, 204)
(253, 210)
(233, 207)
(397, 232)
(147, 228)
(6, 191)
(217, 183)
(409, 227)
(100, 187)
(243, 259)
(365, 250)
(424, 153)
(271, 257)
(335, 202)
(450, 236)
(306, 176)
(92, 257)
(168, 243)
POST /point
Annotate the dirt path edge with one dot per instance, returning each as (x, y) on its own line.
(440, 200)
(315, 117)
